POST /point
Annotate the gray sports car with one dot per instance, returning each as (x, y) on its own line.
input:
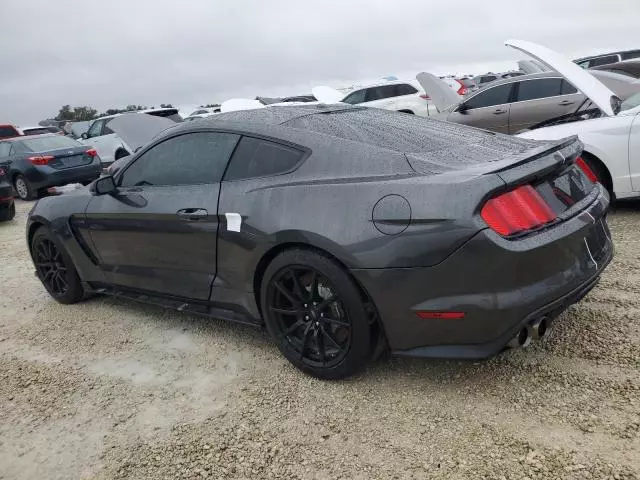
(345, 231)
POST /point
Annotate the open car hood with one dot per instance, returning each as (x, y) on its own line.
(138, 129)
(598, 93)
(441, 94)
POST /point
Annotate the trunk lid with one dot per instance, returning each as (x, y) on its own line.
(68, 157)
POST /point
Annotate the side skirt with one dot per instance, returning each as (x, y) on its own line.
(203, 308)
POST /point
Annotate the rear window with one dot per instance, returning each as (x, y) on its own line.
(36, 131)
(255, 157)
(42, 144)
(7, 131)
(604, 60)
(170, 113)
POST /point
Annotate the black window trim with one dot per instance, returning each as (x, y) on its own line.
(306, 153)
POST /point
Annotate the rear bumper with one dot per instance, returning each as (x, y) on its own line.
(499, 284)
(6, 194)
(44, 177)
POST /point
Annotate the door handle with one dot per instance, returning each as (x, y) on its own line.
(192, 213)
(499, 111)
(564, 103)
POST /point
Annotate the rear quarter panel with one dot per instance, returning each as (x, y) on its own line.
(328, 203)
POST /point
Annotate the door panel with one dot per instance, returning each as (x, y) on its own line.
(528, 113)
(495, 118)
(145, 238)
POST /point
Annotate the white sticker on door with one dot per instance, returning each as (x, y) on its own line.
(234, 220)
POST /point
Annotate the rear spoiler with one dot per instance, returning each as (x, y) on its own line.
(537, 166)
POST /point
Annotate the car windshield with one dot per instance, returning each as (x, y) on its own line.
(54, 142)
(632, 102)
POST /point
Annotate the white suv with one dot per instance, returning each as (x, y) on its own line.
(398, 96)
(109, 145)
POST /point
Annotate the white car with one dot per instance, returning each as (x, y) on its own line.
(390, 95)
(202, 113)
(109, 145)
(610, 132)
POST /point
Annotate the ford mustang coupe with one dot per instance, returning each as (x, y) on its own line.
(345, 231)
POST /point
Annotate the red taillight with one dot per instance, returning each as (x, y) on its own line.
(440, 315)
(517, 211)
(2, 172)
(586, 169)
(92, 152)
(462, 91)
(41, 160)
(424, 96)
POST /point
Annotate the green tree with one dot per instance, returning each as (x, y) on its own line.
(76, 114)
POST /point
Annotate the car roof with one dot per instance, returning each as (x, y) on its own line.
(591, 57)
(520, 78)
(354, 88)
(29, 137)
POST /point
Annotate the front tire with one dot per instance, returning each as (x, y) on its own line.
(54, 268)
(23, 188)
(316, 314)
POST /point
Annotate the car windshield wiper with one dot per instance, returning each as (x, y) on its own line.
(143, 183)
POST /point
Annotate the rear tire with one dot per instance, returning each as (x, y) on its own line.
(54, 267)
(316, 315)
(24, 189)
(7, 214)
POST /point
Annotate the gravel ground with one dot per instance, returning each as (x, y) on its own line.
(108, 389)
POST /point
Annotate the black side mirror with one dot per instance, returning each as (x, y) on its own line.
(103, 186)
(85, 135)
(463, 108)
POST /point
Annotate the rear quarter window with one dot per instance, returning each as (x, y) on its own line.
(255, 157)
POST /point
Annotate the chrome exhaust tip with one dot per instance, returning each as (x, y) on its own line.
(522, 339)
(539, 328)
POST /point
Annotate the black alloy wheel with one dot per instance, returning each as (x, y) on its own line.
(310, 316)
(55, 268)
(50, 266)
(316, 314)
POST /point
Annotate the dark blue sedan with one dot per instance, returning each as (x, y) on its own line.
(38, 162)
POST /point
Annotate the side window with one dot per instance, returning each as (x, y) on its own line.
(106, 130)
(373, 94)
(189, 159)
(492, 96)
(540, 88)
(96, 129)
(255, 157)
(567, 88)
(5, 148)
(355, 97)
(405, 89)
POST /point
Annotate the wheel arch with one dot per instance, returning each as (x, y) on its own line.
(602, 167)
(274, 251)
(406, 110)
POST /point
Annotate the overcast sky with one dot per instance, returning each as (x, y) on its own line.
(118, 52)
